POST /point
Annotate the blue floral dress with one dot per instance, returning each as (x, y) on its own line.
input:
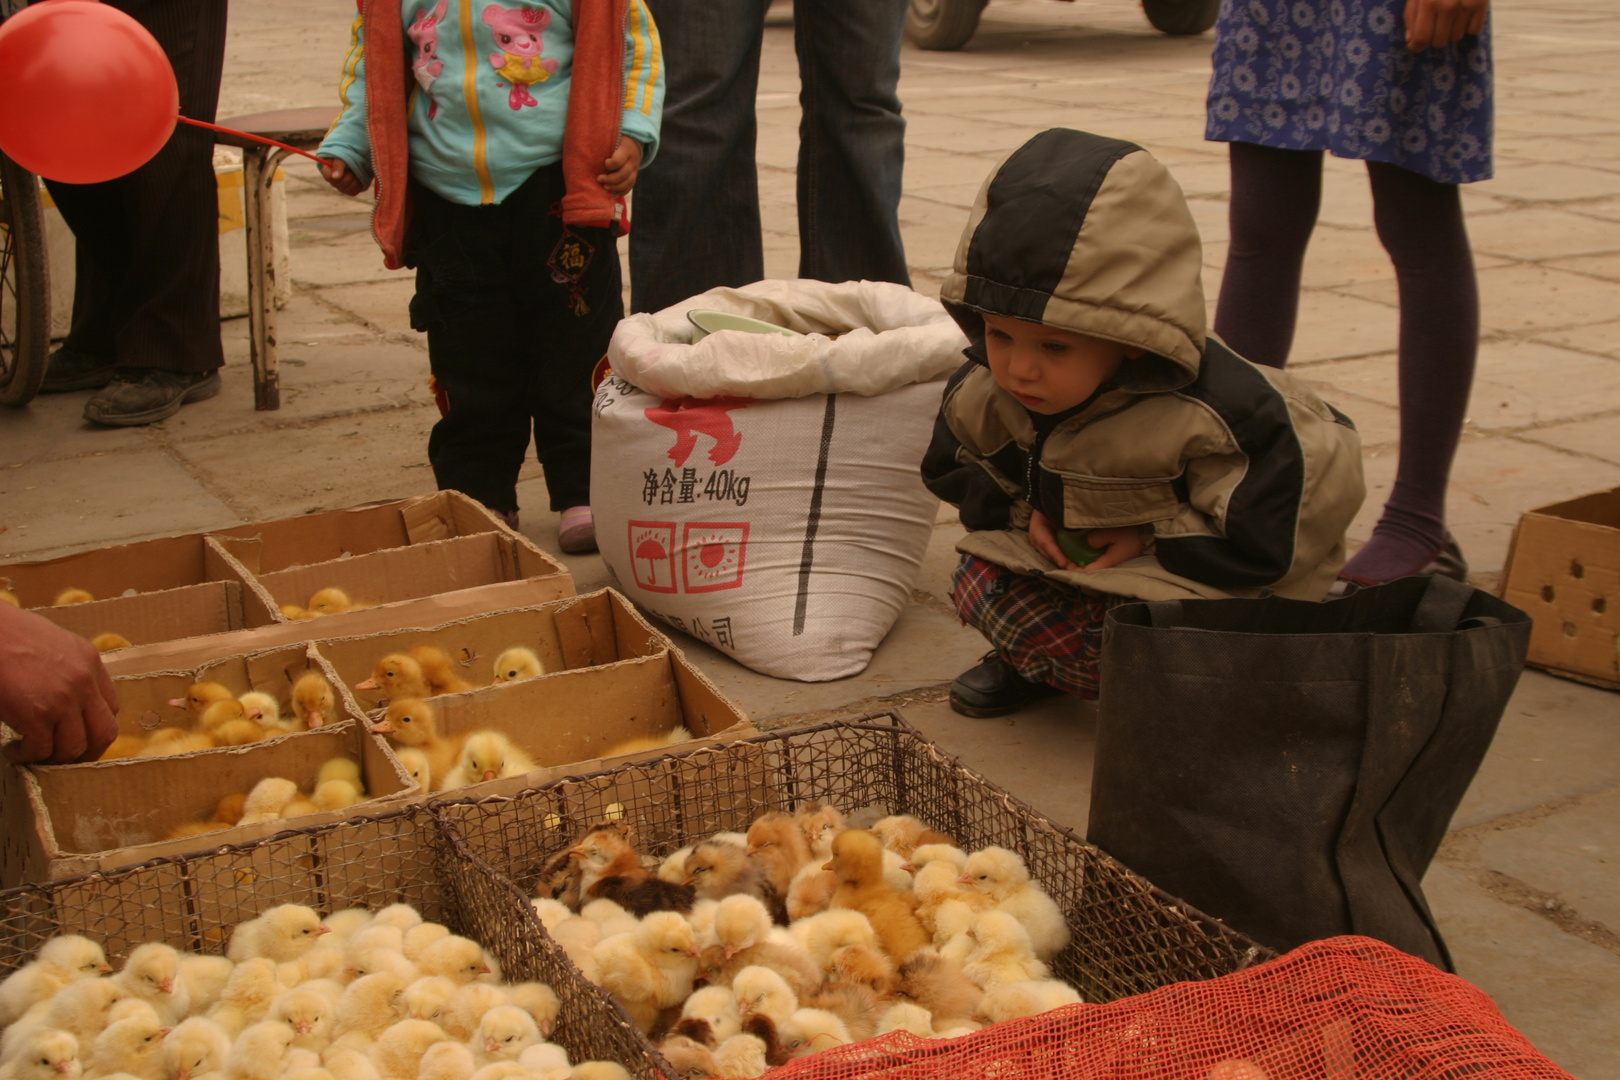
(1336, 75)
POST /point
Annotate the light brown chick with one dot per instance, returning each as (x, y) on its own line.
(717, 869)
(858, 862)
(438, 669)
(903, 834)
(861, 965)
(820, 822)
(856, 1005)
(397, 676)
(313, 700)
(777, 843)
(412, 722)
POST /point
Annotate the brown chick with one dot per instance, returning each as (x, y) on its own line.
(776, 842)
(313, 701)
(611, 869)
(856, 1005)
(438, 669)
(717, 869)
(858, 862)
(411, 722)
(763, 1028)
(861, 965)
(199, 696)
(397, 676)
(938, 985)
(903, 834)
(690, 1058)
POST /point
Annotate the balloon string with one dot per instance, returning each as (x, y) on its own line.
(247, 135)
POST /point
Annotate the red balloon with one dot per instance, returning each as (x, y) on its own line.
(89, 94)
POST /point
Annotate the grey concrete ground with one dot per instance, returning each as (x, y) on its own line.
(1525, 886)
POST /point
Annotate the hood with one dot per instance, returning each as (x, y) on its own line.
(1088, 234)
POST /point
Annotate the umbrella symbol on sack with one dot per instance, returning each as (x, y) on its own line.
(652, 555)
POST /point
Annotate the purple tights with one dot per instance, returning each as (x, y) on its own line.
(1275, 197)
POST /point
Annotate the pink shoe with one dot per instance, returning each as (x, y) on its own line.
(576, 532)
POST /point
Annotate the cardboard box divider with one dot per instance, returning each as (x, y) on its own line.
(213, 607)
(123, 571)
(1563, 568)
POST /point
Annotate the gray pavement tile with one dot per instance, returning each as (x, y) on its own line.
(1543, 233)
(1556, 989)
(1601, 338)
(1598, 437)
(90, 501)
(1549, 182)
(1333, 325)
(1533, 298)
(323, 464)
(1557, 740)
(1601, 266)
(41, 432)
(384, 304)
(341, 260)
(1573, 852)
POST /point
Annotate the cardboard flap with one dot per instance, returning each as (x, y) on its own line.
(246, 550)
(397, 573)
(428, 519)
(210, 608)
(122, 570)
(585, 629)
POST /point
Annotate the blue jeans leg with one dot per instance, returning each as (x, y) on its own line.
(851, 139)
(696, 224)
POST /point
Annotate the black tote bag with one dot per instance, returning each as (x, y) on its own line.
(1291, 767)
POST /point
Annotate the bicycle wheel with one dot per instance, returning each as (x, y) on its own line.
(25, 288)
(943, 24)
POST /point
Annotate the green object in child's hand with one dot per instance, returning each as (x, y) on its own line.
(1075, 547)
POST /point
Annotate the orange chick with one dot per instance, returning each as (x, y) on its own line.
(438, 669)
(858, 861)
(903, 834)
(412, 722)
(397, 676)
(312, 699)
(109, 641)
(819, 822)
(777, 843)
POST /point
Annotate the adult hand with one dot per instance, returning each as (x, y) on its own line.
(1434, 24)
(1044, 537)
(619, 171)
(338, 175)
(1116, 545)
(54, 692)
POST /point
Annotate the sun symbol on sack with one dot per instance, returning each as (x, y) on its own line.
(714, 555)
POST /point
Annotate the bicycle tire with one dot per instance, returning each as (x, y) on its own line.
(25, 286)
(943, 25)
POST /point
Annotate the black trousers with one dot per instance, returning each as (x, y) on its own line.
(518, 310)
(146, 284)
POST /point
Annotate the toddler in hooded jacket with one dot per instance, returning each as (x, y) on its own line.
(1099, 443)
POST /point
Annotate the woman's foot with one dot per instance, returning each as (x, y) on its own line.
(576, 532)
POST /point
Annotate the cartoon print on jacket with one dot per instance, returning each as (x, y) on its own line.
(517, 32)
(424, 34)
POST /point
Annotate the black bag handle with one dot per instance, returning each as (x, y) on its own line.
(1442, 606)
(1162, 613)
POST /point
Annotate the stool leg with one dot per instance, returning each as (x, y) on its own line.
(258, 172)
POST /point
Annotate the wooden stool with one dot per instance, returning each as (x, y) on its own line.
(303, 128)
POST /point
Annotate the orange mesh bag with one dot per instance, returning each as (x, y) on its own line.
(1347, 1008)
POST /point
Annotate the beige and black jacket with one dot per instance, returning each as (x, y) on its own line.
(1246, 477)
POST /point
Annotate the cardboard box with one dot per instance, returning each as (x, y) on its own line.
(610, 678)
(1563, 568)
(72, 819)
(124, 571)
(214, 607)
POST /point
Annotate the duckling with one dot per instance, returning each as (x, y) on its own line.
(517, 663)
(330, 601)
(412, 722)
(397, 676)
(110, 641)
(72, 596)
(438, 669)
(200, 695)
(488, 755)
(313, 700)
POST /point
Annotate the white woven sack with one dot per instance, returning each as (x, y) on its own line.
(788, 533)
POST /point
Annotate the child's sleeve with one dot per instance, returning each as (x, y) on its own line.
(644, 80)
(964, 474)
(349, 140)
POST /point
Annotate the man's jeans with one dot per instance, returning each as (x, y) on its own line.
(696, 207)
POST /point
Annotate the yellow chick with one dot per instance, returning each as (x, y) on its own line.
(759, 990)
(152, 973)
(503, 1034)
(282, 934)
(48, 1054)
(412, 722)
(907, 1016)
(438, 669)
(72, 596)
(447, 1061)
(196, 1048)
(109, 641)
(399, 1049)
(547, 1061)
(810, 1031)
(337, 794)
(330, 601)
(467, 1007)
(124, 746)
(309, 1014)
(219, 713)
(517, 663)
(419, 937)
(266, 711)
(416, 766)
(266, 801)
(60, 961)
(1001, 952)
(400, 916)
(1002, 876)
(339, 768)
(347, 922)
(299, 807)
(349, 1063)
(133, 1046)
(456, 958)
(600, 1070)
(741, 1055)
(313, 701)
(650, 969)
(822, 934)
(81, 1008)
(716, 1006)
(1025, 999)
(539, 1001)
(169, 741)
(205, 977)
(397, 676)
(9, 597)
(293, 612)
(427, 999)
(247, 996)
(488, 755)
(371, 1004)
(260, 1052)
(200, 695)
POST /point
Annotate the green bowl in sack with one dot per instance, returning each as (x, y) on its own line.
(708, 321)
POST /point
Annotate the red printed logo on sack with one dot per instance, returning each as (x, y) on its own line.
(652, 555)
(690, 417)
(712, 555)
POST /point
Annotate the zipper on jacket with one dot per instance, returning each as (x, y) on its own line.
(475, 112)
(1029, 471)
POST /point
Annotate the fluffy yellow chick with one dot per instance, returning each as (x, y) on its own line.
(417, 766)
(196, 1048)
(539, 1001)
(205, 978)
(427, 998)
(346, 923)
(133, 1046)
(109, 641)
(72, 596)
(1025, 999)
(313, 701)
(831, 930)
(740, 922)
(260, 1052)
(166, 742)
(371, 1004)
(577, 935)
(310, 1015)
(330, 601)
(503, 1034)
(81, 1008)
(650, 969)
(60, 961)
(48, 1054)
(411, 722)
(502, 1070)
(266, 710)
(467, 1007)
(716, 1006)
(600, 1070)
(152, 973)
(399, 1050)
(517, 663)
(488, 755)
(416, 940)
(446, 1061)
(740, 1055)
(456, 958)
(124, 746)
(759, 990)
(400, 916)
(438, 669)
(362, 961)
(295, 612)
(397, 676)
(610, 916)
(337, 794)
(282, 934)
(1001, 952)
(247, 995)
(200, 695)
(1001, 875)
(810, 1031)
(267, 800)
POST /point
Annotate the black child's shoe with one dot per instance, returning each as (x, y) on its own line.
(994, 688)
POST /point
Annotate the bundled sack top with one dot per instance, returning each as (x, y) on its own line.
(1246, 477)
